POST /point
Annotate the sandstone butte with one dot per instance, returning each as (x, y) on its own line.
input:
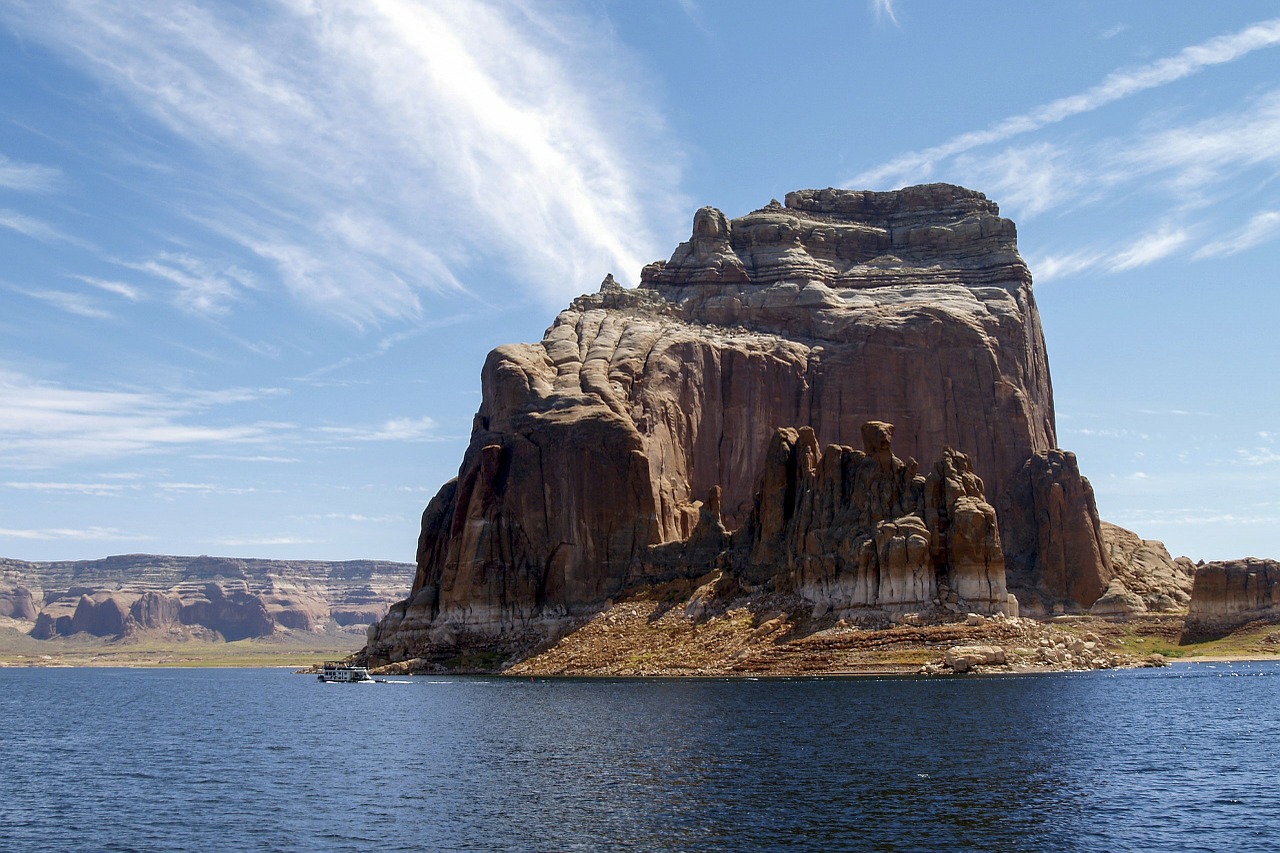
(747, 410)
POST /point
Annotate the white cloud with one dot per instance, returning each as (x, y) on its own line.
(36, 229)
(920, 165)
(101, 490)
(28, 177)
(396, 429)
(72, 303)
(1259, 456)
(368, 151)
(1030, 178)
(71, 533)
(1049, 267)
(119, 288)
(1137, 251)
(242, 541)
(204, 489)
(1195, 154)
(1261, 228)
(43, 424)
(199, 286)
(884, 10)
(1184, 516)
(1149, 248)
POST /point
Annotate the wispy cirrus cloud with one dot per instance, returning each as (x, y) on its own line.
(366, 153)
(395, 429)
(36, 229)
(119, 288)
(920, 165)
(1149, 248)
(1190, 174)
(884, 10)
(28, 177)
(105, 534)
(72, 303)
(1138, 250)
(43, 424)
(1261, 228)
(198, 287)
(100, 490)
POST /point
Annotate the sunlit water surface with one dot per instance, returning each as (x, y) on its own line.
(1183, 758)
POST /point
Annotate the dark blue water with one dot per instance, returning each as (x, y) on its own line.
(160, 760)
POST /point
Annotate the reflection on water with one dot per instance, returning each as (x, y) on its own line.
(1174, 759)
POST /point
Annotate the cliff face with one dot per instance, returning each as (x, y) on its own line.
(839, 308)
(863, 529)
(1231, 593)
(218, 597)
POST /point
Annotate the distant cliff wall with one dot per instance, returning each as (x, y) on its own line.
(234, 598)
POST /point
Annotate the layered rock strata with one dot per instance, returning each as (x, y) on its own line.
(1232, 593)
(838, 308)
(224, 598)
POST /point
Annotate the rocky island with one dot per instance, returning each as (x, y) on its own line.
(815, 425)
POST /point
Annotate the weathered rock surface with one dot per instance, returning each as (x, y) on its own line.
(1055, 548)
(125, 595)
(18, 602)
(1231, 593)
(1145, 578)
(839, 308)
(861, 528)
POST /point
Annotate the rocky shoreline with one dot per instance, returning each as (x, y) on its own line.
(709, 628)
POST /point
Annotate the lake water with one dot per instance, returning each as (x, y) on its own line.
(1183, 758)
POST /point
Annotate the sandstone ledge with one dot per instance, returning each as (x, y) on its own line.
(706, 628)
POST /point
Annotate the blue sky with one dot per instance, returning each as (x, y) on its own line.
(253, 254)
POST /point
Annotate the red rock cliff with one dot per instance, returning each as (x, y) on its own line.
(839, 308)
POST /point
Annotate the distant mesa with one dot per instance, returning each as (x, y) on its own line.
(671, 428)
(210, 598)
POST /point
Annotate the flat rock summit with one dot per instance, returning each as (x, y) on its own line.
(844, 398)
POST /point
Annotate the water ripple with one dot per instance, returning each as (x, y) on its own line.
(175, 760)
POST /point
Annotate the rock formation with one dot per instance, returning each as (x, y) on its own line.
(863, 529)
(841, 307)
(1054, 535)
(1232, 593)
(233, 598)
(1145, 578)
(18, 602)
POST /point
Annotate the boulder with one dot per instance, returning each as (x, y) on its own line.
(965, 658)
(1118, 601)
